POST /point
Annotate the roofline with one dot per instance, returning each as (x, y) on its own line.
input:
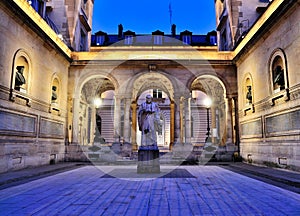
(33, 19)
(275, 8)
(260, 27)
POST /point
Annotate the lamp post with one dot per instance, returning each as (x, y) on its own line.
(97, 102)
(207, 102)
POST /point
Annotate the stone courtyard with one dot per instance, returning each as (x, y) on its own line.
(176, 190)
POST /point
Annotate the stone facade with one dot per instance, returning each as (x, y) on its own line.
(41, 124)
(270, 124)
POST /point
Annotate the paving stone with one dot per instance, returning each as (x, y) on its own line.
(190, 190)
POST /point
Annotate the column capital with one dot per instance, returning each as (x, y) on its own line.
(230, 96)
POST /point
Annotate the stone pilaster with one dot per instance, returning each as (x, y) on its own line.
(117, 118)
(187, 109)
(126, 120)
(134, 126)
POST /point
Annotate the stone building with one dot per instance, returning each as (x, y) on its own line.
(62, 99)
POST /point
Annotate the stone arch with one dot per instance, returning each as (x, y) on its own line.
(277, 60)
(213, 87)
(22, 58)
(152, 80)
(206, 86)
(81, 81)
(86, 86)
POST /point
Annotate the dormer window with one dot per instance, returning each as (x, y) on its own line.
(186, 37)
(213, 40)
(100, 38)
(157, 37)
(129, 37)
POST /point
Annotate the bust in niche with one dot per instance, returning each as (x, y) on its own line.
(19, 78)
(279, 78)
(249, 95)
(54, 94)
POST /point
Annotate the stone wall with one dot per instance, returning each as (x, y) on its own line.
(270, 125)
(32, 129)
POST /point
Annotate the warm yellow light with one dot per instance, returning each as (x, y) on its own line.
(97, 102)
(207, 102)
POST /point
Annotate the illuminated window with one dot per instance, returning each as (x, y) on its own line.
(157, 93)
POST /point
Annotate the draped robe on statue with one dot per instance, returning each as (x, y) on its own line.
(149, 121)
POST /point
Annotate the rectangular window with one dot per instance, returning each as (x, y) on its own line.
(223, 41)
(157, 93)
(39, 6)
(100, 39)
(83, 41)
(186, 39)
(213, 40)
(128, 39)
(157, 39)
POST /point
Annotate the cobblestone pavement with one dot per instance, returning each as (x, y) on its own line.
(119, 190)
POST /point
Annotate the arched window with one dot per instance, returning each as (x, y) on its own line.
(21, 70)
(279, 83)
(248, 91)
(55, 95)
(20, 78)
(278, 71)
(248, 96)
(55, 90)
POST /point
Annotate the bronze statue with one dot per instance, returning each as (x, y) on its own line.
(19, 78)
(149, 123)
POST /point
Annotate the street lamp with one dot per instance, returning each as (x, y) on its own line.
(207, 102)
(97, 102)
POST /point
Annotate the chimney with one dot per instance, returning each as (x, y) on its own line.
(173, 30)
(120, 31)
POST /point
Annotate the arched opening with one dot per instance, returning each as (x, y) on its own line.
(208, 120)
(95, 114)
(163, 101)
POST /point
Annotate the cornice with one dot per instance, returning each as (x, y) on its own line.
(29, 16)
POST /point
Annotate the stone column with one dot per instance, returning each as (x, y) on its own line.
(236, 122)
(117, 118)
(172, 124)
(229, 121)
(93, 123)
(134, 126)
(75, 129)
(213, 123)
(187, 109)
(177, 121)
(182, 117)
(127, 120)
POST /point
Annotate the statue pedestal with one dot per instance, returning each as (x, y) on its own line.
(148, 161)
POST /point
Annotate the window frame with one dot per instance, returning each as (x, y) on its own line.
(278, 53)
(187, 39)
(157, 39)
(128, 40)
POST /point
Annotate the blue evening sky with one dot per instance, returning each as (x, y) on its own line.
(146, 16)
